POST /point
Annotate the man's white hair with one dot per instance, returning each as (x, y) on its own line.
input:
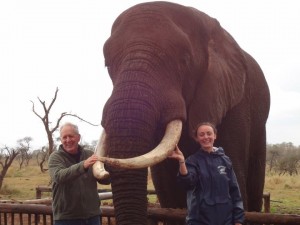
(75, 127)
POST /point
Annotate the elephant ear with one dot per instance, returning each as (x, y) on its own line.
(222, 86)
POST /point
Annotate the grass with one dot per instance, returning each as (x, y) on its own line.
(284, 191)
(21, 185)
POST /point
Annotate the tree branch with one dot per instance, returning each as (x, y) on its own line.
(33, 110)
(53, 100)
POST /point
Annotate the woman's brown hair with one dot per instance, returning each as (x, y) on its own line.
(205, 123)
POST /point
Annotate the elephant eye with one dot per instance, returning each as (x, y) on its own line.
(185, 61)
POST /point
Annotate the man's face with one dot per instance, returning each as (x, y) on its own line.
(69, 139)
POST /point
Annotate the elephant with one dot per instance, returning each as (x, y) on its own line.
(172, 67)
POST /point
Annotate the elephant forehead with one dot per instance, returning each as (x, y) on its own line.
(156, 20)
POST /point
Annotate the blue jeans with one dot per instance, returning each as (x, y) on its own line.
(90, 221)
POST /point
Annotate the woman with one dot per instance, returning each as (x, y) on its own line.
(213, 195)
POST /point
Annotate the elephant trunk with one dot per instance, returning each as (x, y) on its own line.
(135, 119)
(130, 196)
(129, 186)
(130, 125)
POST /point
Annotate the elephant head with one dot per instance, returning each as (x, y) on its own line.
(172, 67)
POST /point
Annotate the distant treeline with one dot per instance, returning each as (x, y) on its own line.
(283, 158)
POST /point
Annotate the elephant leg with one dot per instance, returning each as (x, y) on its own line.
(256, 176)
(260, 106)
(234, 135)
(168, 193)
(164, 180)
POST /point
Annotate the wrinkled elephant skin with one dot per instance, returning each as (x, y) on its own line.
(170, 62)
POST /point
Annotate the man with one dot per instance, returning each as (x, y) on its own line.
(74, 188)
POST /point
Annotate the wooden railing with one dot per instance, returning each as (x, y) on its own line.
(39, 190)
(39, 211)
(44, 189)
(157, 215)
(25, 214)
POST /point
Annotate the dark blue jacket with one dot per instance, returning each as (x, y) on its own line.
(212, 189)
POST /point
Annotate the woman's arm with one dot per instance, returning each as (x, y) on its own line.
(178, 155)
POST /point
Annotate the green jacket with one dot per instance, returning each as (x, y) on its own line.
(74, 189)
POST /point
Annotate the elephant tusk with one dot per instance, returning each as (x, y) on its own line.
(161, 152)
(98, 168)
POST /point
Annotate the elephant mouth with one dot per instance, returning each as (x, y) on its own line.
(156, 155)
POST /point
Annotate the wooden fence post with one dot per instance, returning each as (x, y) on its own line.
(267, 207)
(38, 193)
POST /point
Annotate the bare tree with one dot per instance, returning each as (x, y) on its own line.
(284, 158)
(7, 156)
(273, 155)
(42, 157)
(289, 163)
(91, 146)
(23, 149)
(46, 121)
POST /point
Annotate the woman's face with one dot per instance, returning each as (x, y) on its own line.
(206, 137)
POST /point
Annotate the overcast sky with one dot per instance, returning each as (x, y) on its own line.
(46, 44)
